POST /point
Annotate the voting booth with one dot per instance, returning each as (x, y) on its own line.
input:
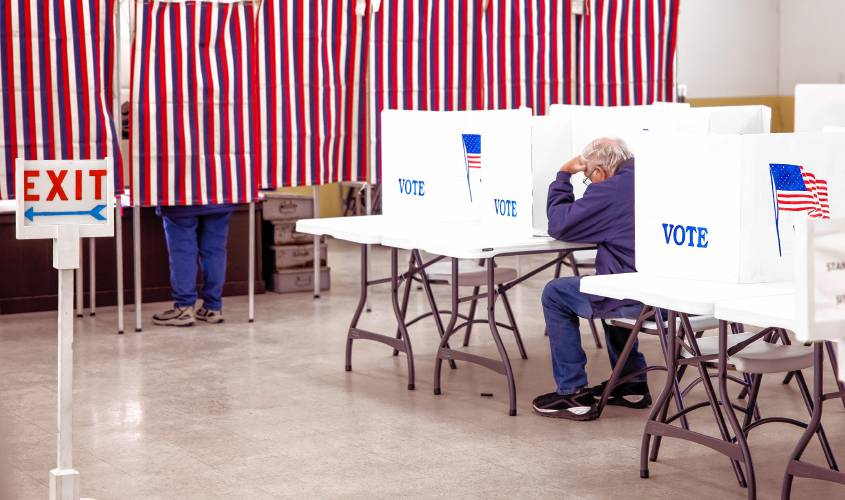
(723, 207)
(563, 133)
(462, 166)
(819, 106)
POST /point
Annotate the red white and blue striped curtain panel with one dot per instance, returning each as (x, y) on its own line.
(57, 70)
(627, 52)
(193, 87)
(427, 57)
(312, 60)
(529, 54)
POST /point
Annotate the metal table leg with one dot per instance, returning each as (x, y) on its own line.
(795, 467)
(92, 276)
(78, 282)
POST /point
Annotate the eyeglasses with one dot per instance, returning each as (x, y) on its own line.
(588, 177)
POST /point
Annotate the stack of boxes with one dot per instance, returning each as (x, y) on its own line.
(290, 256)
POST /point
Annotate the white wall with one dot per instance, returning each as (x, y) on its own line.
(812, 48)
(729, 48)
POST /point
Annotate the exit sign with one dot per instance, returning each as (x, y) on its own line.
(52, 194)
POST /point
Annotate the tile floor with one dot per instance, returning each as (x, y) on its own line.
(265, 410)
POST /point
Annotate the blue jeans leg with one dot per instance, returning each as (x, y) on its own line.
(213, 233)
(616, 338)
(563, 306)
(181, 235)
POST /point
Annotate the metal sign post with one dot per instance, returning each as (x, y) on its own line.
(64, 200)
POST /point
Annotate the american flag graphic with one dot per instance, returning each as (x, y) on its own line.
(472, 150)
(797, 190)
(472, 156)
(193, 83)
(57, 84)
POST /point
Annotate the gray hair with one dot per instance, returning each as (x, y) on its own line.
(606, 153)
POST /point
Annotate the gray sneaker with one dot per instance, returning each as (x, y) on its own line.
(178, 316)
(209, 315)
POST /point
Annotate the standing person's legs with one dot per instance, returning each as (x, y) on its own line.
(213, 233)
(181, 236)
(563, 306)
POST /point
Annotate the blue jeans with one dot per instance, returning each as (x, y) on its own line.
(563, 305)
(188, 237)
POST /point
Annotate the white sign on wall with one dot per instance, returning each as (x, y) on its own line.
(724, 207)
(471, 166)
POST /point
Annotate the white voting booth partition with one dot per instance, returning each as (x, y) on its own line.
(458, 166)
(820, 282)
(819, 106)
(565, 131)
(64, 200)
(724, 207)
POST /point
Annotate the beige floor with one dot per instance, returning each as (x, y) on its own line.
(266, 411)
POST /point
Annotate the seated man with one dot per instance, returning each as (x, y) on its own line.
(604, 216)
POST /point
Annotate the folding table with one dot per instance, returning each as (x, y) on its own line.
(450, 240)
(779, 312)
(682, 298)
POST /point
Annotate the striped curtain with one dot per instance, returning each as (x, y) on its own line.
(193, 82)
(627, 52)
(312, 72)
(529, 54)
(57, 70)
(427, 57)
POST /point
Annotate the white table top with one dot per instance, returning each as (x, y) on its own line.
(7, 206)
(459, 240)
(364, 229)
(774, 310)
(676, 294)
(464, 241)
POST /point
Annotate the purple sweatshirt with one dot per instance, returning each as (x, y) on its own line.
(604, 216)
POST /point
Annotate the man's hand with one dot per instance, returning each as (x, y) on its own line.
(574, 165)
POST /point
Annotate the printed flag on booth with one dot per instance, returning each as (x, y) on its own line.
(193, 83)
(57, 77)
(794, 190)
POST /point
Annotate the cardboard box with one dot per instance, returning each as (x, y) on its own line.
(288, 207)
(284, 233)
(707, 207)
(300, 280)
(298, 256)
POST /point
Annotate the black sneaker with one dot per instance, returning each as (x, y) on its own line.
(579, 406)
(630, 394)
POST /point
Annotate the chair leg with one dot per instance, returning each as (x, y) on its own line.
(472, 307)
(751, 403)
(808, 402)
(512, 321)
(595, 333)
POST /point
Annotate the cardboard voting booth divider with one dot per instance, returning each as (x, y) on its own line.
(567, 129)
(819, 106)
(64, 200)
(461, 166)
(724, 207)
(736, 119)
(820, 280)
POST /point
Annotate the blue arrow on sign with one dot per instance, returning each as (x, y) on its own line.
(95, 212)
